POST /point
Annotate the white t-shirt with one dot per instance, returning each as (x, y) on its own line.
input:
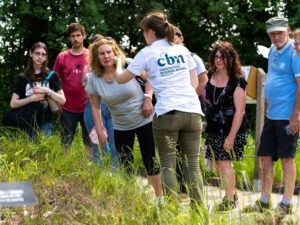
(167, 68)
(125, 101)
(200, 68)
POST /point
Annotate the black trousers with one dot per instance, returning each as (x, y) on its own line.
(124, 141)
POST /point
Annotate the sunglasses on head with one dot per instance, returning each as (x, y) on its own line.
(103, 38)
(178, 34)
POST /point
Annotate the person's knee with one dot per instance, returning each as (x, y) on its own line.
(266, 161)
(223, 164)
(287, 162)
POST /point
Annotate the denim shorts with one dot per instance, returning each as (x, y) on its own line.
(275, 142)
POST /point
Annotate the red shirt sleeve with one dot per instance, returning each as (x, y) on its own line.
(57, 66)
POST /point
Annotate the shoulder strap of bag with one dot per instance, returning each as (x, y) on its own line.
(47, 78)
(27, 80)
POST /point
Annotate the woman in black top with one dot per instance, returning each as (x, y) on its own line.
(28, 89)
(225, 95)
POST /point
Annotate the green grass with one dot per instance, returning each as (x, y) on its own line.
(72, 190)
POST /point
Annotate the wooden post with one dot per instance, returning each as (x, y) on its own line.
(260, 117)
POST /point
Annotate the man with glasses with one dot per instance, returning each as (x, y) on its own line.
(280, 132)
(69, 65)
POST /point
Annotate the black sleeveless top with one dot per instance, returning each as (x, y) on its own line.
(220, 107)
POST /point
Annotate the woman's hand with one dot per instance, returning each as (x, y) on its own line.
(228, 144)
(37, 97)
(118, 61)
(147, 107)
(102, 137)
(41, 90)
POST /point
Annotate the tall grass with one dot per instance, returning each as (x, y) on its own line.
(72, 190)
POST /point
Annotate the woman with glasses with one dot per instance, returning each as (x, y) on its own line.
(171, 72)
(29, 89)
(225, 96)
(130, 108)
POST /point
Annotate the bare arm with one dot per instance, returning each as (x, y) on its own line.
(239, 98)
(125, 76)
(16, 102)
(96, 112)
(194, 79)
(202, 79)
(295, 119)
(58, 96)
(147, 106)
(122, 76)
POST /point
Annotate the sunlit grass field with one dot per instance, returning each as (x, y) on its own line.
(72, 190)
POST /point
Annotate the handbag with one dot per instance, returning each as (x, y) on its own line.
(53, 105)
(25, 117)
(142, 84)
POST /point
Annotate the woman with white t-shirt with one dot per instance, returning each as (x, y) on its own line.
(130, 108)
(171, 72)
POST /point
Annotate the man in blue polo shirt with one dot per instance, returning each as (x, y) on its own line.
(280, 132)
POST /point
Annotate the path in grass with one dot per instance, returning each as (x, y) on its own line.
(214, 195)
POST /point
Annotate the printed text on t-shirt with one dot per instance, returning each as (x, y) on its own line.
(169, 61)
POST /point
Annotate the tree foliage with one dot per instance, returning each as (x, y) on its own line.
(24, 22)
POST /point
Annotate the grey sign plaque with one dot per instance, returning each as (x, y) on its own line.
(16, 194)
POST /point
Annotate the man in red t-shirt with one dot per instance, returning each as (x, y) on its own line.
(69, 66)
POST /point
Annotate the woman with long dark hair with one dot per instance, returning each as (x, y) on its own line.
(29, 88)
(225, 96)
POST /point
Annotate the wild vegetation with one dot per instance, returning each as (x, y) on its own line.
(72, 190)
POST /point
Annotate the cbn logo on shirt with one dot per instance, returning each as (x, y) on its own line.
(166, 64)
(170, 60)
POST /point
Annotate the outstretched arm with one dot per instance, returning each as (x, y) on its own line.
(122, 76)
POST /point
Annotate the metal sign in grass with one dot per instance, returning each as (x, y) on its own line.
(16, 194)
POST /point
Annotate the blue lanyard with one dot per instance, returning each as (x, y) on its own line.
(47, 78)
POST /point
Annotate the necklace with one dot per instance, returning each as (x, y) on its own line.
(216, 102)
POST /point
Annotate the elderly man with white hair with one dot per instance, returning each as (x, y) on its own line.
(280, 132)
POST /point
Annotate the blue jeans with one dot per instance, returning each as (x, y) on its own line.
(46, 128)
(98, 156)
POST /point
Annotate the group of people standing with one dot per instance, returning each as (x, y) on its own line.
(100, 88)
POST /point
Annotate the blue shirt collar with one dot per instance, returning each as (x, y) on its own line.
(280, 51)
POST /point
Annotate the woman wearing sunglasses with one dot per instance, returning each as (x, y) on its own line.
(28, 89)
(171, 72)
(130, 108)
